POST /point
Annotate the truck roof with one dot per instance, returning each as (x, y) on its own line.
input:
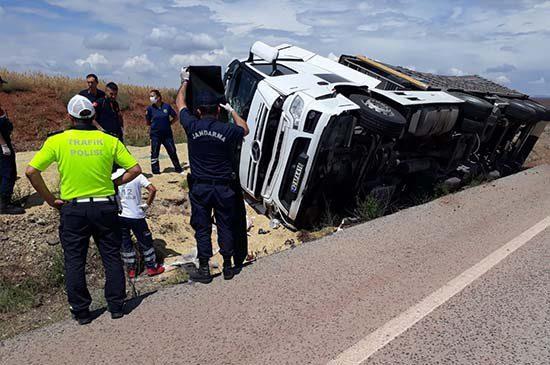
(308, 72)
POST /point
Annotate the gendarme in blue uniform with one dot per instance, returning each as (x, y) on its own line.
(210, 144)
(213, 182)
(160, 119)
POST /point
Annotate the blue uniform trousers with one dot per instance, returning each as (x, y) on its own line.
(170, 146)
(219, 198)
(8, 175)
(145, 241)
(79, 222)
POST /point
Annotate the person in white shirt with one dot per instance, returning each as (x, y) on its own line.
(132, 219)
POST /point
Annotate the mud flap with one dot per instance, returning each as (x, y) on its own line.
(210, 78)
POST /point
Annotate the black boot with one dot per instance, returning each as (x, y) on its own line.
(7, 208)
(202, 274)
(228, 273)
(84, 317)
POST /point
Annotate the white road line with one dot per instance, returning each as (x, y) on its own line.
(365, 348)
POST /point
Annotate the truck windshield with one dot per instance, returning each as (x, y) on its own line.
(273, 70)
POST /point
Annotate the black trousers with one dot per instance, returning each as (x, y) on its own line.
(8, 175)
(79, 222)
(170, 146)
(206, 198)
(145, 242)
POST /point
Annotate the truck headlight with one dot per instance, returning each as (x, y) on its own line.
(296, 109)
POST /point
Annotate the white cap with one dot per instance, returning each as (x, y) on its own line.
(80, 107)
(118, 173)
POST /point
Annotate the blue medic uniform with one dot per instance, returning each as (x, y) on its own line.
(108, 116)
(161, 134)
(212, 181)
(8, 168)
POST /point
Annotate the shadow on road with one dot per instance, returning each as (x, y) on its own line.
(133, 303)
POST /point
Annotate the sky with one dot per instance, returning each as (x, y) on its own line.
(146, 42)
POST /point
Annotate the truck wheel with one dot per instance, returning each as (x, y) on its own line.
(378, 117)
(519, 111)
(542, 112)
(474, 108)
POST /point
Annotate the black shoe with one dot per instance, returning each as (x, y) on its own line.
(202, 274)
(237, 269)
(228, 273)
(117, 315)
(8, 208)
(83, 317)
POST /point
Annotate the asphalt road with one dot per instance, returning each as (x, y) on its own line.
(312, 304)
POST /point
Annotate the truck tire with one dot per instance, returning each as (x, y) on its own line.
(542, 112)
(378, 117)
(519, 111)
(474, 108)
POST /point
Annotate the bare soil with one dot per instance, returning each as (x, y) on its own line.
(29, 243)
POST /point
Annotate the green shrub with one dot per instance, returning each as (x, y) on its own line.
(16, 85)
(369, 208)
(18, 296)
(56, 273)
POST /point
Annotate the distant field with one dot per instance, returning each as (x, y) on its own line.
(36, 104)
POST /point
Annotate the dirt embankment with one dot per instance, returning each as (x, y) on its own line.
(36, 105)
(31, 257)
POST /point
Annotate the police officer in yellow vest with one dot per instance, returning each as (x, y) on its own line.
(85, 158)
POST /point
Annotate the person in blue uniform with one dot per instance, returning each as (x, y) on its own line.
(108, 114)
(8, 167)
(159, 117)
(92, 93)
(212, 181)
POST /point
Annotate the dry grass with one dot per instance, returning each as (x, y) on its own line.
(63, 85)
(36, 104)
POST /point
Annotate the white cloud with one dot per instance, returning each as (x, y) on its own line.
(363, 6)
(171, 39)
(538, 81)
(2, 11)
(93, 61)
(502, 79)
(139, 64)
(248, 15)
(456, 72)
(35, 11)
(544, 5)
(207, 58)
(106, 42)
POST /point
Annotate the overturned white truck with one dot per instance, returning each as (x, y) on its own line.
(325, 133)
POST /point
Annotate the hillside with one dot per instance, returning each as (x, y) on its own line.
(36, 104)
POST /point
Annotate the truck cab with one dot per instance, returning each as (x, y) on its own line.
(323, 134)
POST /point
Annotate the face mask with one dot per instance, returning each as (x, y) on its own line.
(153, 99)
